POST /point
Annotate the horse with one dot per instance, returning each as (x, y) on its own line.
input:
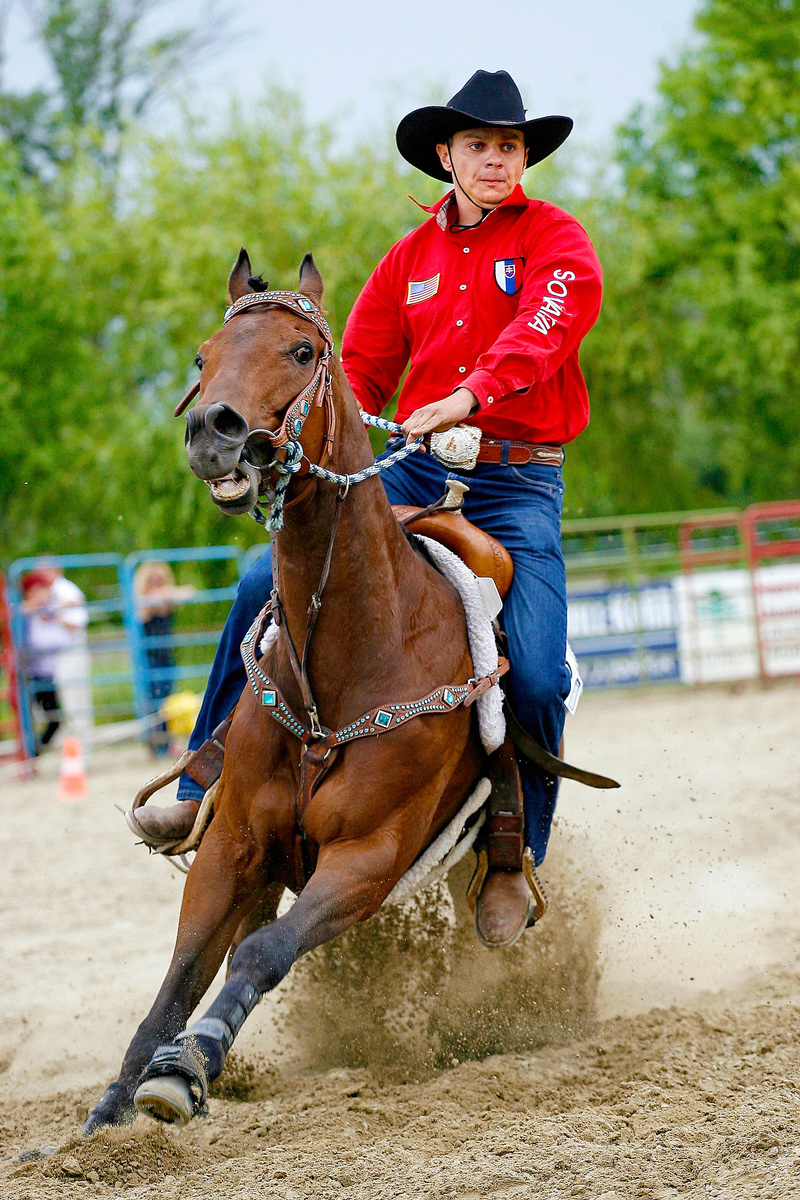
(337, 821)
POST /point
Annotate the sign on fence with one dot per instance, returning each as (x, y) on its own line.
(622, 636)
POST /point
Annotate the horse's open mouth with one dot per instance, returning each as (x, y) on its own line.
(238, 492)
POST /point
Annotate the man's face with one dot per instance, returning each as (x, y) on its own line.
(488, 162)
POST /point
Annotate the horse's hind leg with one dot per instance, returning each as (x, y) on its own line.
(349, 883)
(219, 889)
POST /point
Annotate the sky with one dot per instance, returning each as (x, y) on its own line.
(360, 61)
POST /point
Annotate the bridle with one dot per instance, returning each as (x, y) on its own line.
(318, 392)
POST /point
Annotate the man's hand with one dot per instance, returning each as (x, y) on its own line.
(441, 416)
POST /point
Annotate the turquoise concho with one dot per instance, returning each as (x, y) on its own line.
(382, 718)
(448, 696)
(269, 699)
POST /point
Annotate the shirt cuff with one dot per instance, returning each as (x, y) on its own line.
(484, 387)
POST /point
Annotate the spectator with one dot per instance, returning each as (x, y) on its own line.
(157, 595)
(74, 664)
(45, 636)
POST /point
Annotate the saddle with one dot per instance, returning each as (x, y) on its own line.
(444, 522)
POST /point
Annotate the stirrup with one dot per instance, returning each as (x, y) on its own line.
(536, 886)
(538, 893)
(176, 846)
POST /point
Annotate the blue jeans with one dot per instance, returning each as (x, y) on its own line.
(521, 507)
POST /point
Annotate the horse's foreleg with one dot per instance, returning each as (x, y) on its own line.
(350, 882)
(218, 890)
(263, 912)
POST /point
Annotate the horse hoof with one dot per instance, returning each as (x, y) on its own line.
(165, 1098)
(112, 1109)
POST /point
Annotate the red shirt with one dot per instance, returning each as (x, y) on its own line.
(500, 309)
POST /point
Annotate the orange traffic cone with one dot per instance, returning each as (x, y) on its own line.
(72, 781)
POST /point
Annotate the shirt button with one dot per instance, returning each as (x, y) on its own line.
(466, 249)
(461, 370)
(490, 399)
(462, 287)
(459, 323)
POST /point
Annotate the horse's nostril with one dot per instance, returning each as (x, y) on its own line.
(227, 423)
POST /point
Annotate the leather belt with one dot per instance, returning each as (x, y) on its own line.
(491, 451)
(464, 446)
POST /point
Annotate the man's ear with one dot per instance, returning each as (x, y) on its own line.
(443, 150)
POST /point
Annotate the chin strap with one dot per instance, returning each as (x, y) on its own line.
(483, 211)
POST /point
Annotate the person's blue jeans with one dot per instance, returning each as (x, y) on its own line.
(521, 507)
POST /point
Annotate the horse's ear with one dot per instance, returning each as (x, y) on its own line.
(310, 280)
(238, 279)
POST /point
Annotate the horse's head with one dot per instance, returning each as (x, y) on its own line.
(251, 371)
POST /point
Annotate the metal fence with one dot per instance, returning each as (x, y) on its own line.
(114, 677)
(691, 597)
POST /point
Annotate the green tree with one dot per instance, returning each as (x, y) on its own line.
(711, 182)
(106, 73)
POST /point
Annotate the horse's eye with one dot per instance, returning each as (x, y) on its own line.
(199, 363)
(303, 354)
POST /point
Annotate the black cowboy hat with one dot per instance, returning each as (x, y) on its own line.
(489, 98)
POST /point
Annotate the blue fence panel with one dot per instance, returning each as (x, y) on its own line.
(623, 635)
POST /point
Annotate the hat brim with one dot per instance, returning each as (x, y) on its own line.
(421, 131)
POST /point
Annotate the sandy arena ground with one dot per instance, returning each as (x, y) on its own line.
(640, 1043)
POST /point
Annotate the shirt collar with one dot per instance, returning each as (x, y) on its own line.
(517, 199)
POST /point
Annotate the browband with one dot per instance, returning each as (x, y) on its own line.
(296, 302)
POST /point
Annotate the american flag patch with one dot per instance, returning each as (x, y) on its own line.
(422, 289)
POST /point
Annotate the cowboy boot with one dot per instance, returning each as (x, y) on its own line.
(504, 907)
(163, 828)
(160, 827)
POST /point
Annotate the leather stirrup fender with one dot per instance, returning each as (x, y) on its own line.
(505, 824)
(529, 748)
(205, 767)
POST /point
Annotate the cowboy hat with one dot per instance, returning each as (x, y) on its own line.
(489, 98)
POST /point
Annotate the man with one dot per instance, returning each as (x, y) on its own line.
(489, 300)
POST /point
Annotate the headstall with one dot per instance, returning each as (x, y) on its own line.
(320, 386)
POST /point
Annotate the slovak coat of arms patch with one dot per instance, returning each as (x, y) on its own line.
(508, 274)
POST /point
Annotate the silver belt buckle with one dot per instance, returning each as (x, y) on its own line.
(457, 448)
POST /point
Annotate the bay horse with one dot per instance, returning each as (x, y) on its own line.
(342, 828)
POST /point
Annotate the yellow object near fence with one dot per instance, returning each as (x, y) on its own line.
(180, 712)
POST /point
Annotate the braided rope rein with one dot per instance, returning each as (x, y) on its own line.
(273, 521)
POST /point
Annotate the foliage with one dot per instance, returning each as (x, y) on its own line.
(106, 303)
(711, 187)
